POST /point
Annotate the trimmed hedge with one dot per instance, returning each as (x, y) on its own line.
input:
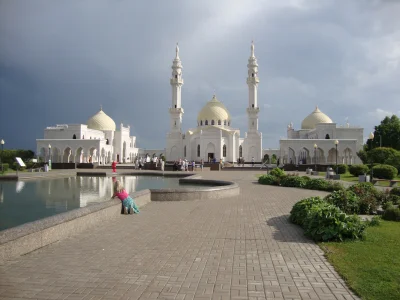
(268, 179)
(357, 170)
(341, 169)
(391, 214)
(384, 171)
(293, 181)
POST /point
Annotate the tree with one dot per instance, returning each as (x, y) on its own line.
(388, 132)
(381, 155)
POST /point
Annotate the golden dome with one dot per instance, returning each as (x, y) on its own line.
(101, 121)
(214, 110)
(314, 118)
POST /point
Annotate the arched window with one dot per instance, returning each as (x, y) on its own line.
(107, 142)
(224, 151)
(74, 137)
(327, 137)
(184, 151)
(201, 123)
(198, 150)
(219, 122)
(206, 122)
(229, 123)
(240, 151)
(212, 122)
(225, 122)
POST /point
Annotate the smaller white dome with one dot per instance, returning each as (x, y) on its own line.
(101, 121)
(314, 118)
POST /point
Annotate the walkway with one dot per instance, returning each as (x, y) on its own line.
(236, 248)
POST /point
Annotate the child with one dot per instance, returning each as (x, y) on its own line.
(114, 166)
(127, 202)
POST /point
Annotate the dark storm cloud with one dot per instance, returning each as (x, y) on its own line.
(59, 60)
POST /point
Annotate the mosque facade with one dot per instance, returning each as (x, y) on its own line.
(99, 141)
(215, 136)
(319, 141)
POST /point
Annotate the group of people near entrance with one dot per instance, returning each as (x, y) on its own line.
(184, 165)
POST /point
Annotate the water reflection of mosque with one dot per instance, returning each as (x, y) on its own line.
(74, 192)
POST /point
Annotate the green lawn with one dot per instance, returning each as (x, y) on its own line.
(371, 267)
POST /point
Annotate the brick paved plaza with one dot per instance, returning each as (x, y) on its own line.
(235, 248)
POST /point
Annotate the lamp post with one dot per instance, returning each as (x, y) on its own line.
(315, 156)
(371, 138)
(336, 144)
(49, 157)
(1, 157)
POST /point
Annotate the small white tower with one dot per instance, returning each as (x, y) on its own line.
(252, 82)
(252, 143)
(175, 138)
(176, 110)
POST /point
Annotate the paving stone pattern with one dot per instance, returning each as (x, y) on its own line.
(237, 248)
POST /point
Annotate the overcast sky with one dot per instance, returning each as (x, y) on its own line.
(61, 60)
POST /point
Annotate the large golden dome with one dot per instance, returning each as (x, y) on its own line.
(101, 121)
(314, 118)
(214, 110)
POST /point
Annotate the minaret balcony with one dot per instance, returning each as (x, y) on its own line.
(177, 81)
(176, 110)
(253, 110)
(253, 80)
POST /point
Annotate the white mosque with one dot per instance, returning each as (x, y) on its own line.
(214, 136)
(99, 141)
(319, 141)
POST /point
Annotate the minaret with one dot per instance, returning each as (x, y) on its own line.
(176, 111)
(252, 82)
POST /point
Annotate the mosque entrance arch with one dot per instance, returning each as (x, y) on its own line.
(210, 151)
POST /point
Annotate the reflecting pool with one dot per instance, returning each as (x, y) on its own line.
(27, 201)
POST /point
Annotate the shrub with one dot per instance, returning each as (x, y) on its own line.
(5, 167)
(357, 170)
(362, 189)
(341, 169)
(347, 201)
(394, 199)
(384, 171)
(325, 222)
(388, 204)
(306, 178)
(293, 181)
(375, 221)
(368, 205)
(299, 211)
(277, 172)
(267, 179)
(395, 191)
(392, 214)
(317, 184)
(381, 154)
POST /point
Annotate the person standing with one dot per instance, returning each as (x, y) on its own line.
(114, 166)
(162, 165)
(252, 161)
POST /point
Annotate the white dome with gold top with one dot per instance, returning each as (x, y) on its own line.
(215, 111)
(101, 121)
(314, 118)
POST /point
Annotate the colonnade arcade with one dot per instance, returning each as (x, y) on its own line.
(79, 155)
(317, 156)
